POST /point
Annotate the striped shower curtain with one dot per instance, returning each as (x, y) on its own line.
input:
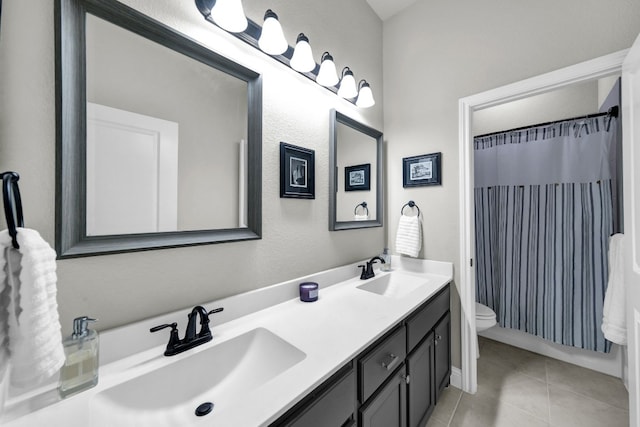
(543, 216)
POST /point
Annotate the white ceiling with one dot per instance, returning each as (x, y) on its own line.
(387, 8)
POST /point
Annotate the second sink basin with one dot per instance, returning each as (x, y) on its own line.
(394, 285)
(221, 374)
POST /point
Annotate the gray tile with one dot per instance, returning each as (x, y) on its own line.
(482, 411)
(569, 409)
(513, 387)
(589, 383)
(436, 423)
(446, 404)
(514, 359)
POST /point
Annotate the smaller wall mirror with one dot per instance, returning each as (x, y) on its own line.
(355, 184)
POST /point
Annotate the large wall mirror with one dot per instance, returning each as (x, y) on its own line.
(355, 184)
(159, 139)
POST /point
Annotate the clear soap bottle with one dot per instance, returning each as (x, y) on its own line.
(80, 369)
(386, 256)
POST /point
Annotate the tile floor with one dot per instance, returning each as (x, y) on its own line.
(519, 388)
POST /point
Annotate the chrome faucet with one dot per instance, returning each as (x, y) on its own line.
(191, 339)
(367, 272)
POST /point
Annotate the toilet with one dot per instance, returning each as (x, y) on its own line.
(485, 319)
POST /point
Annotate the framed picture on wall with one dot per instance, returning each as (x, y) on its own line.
(357, 178)
(297, 172)
(421, 170)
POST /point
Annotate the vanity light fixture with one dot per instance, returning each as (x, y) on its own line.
(229, 15)
(347, 88)
(365, 95)
(302, 59)
(272, 39)
(327, 76)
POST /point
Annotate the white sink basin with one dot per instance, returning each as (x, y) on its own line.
(394, 285)
(221, 374)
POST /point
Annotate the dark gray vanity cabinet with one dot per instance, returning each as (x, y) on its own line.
(395, 382)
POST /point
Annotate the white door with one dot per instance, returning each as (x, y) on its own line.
(132, 172)
(631, 159)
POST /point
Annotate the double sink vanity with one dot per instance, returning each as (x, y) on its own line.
(368, 352)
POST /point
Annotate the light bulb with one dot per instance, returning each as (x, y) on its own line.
(327, 76)
(365, 95)
(229, 15)
(302, 59)
(272, 39)
(347, 87)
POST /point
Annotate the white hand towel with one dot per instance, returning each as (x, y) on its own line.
(614, 322)
(409, 236)
(360, 217)
(35, 341)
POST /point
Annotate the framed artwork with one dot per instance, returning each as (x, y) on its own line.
(421, 170)
(357, 178)
(297, 172)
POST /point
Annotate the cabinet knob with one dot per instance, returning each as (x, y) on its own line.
(406, 378)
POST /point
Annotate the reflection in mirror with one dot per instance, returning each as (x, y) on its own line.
(356, 181)
(162, 145)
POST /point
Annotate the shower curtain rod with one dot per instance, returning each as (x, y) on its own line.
(613, 112)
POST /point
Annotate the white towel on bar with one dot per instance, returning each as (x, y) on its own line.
(357, 217)
(409, 236)
(614, 322)
(31, 313)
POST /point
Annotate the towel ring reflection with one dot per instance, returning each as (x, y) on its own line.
(411, 204)
(364, 206)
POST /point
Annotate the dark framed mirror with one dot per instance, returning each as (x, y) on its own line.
(355, 165)
(158, 139)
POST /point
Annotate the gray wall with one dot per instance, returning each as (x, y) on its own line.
(438, 52)
(119, 289)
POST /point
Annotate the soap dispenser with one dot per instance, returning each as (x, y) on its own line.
(80, 369)
(386, 256)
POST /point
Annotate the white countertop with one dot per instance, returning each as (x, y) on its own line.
(331, 332)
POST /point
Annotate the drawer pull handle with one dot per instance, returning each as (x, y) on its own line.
(392, 362)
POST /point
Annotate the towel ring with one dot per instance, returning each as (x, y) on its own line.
(411, 204)
(364, 206)
(11, 199)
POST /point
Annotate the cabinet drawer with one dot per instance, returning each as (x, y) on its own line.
(377, 365)
(332, 407)
(420, 323)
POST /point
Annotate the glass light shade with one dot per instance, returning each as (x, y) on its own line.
(365, 96)
(327, 76)
(229, 15)
(302, 59)
(347, 87)
(272, 39)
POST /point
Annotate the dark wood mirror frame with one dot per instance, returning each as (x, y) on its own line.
(71, 236)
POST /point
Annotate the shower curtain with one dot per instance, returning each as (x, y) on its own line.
(543, 216)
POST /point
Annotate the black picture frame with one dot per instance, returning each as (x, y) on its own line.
(357, 178)
(297, 172)
(418, 171)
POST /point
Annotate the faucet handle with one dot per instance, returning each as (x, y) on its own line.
(215, 310)
(173, 326)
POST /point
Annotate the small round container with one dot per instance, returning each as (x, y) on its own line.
(308, 291)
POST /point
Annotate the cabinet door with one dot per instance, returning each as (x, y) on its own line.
(421, 390)
(389, 406)
(442, 353)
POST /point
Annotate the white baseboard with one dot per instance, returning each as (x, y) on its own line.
(456, 377)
